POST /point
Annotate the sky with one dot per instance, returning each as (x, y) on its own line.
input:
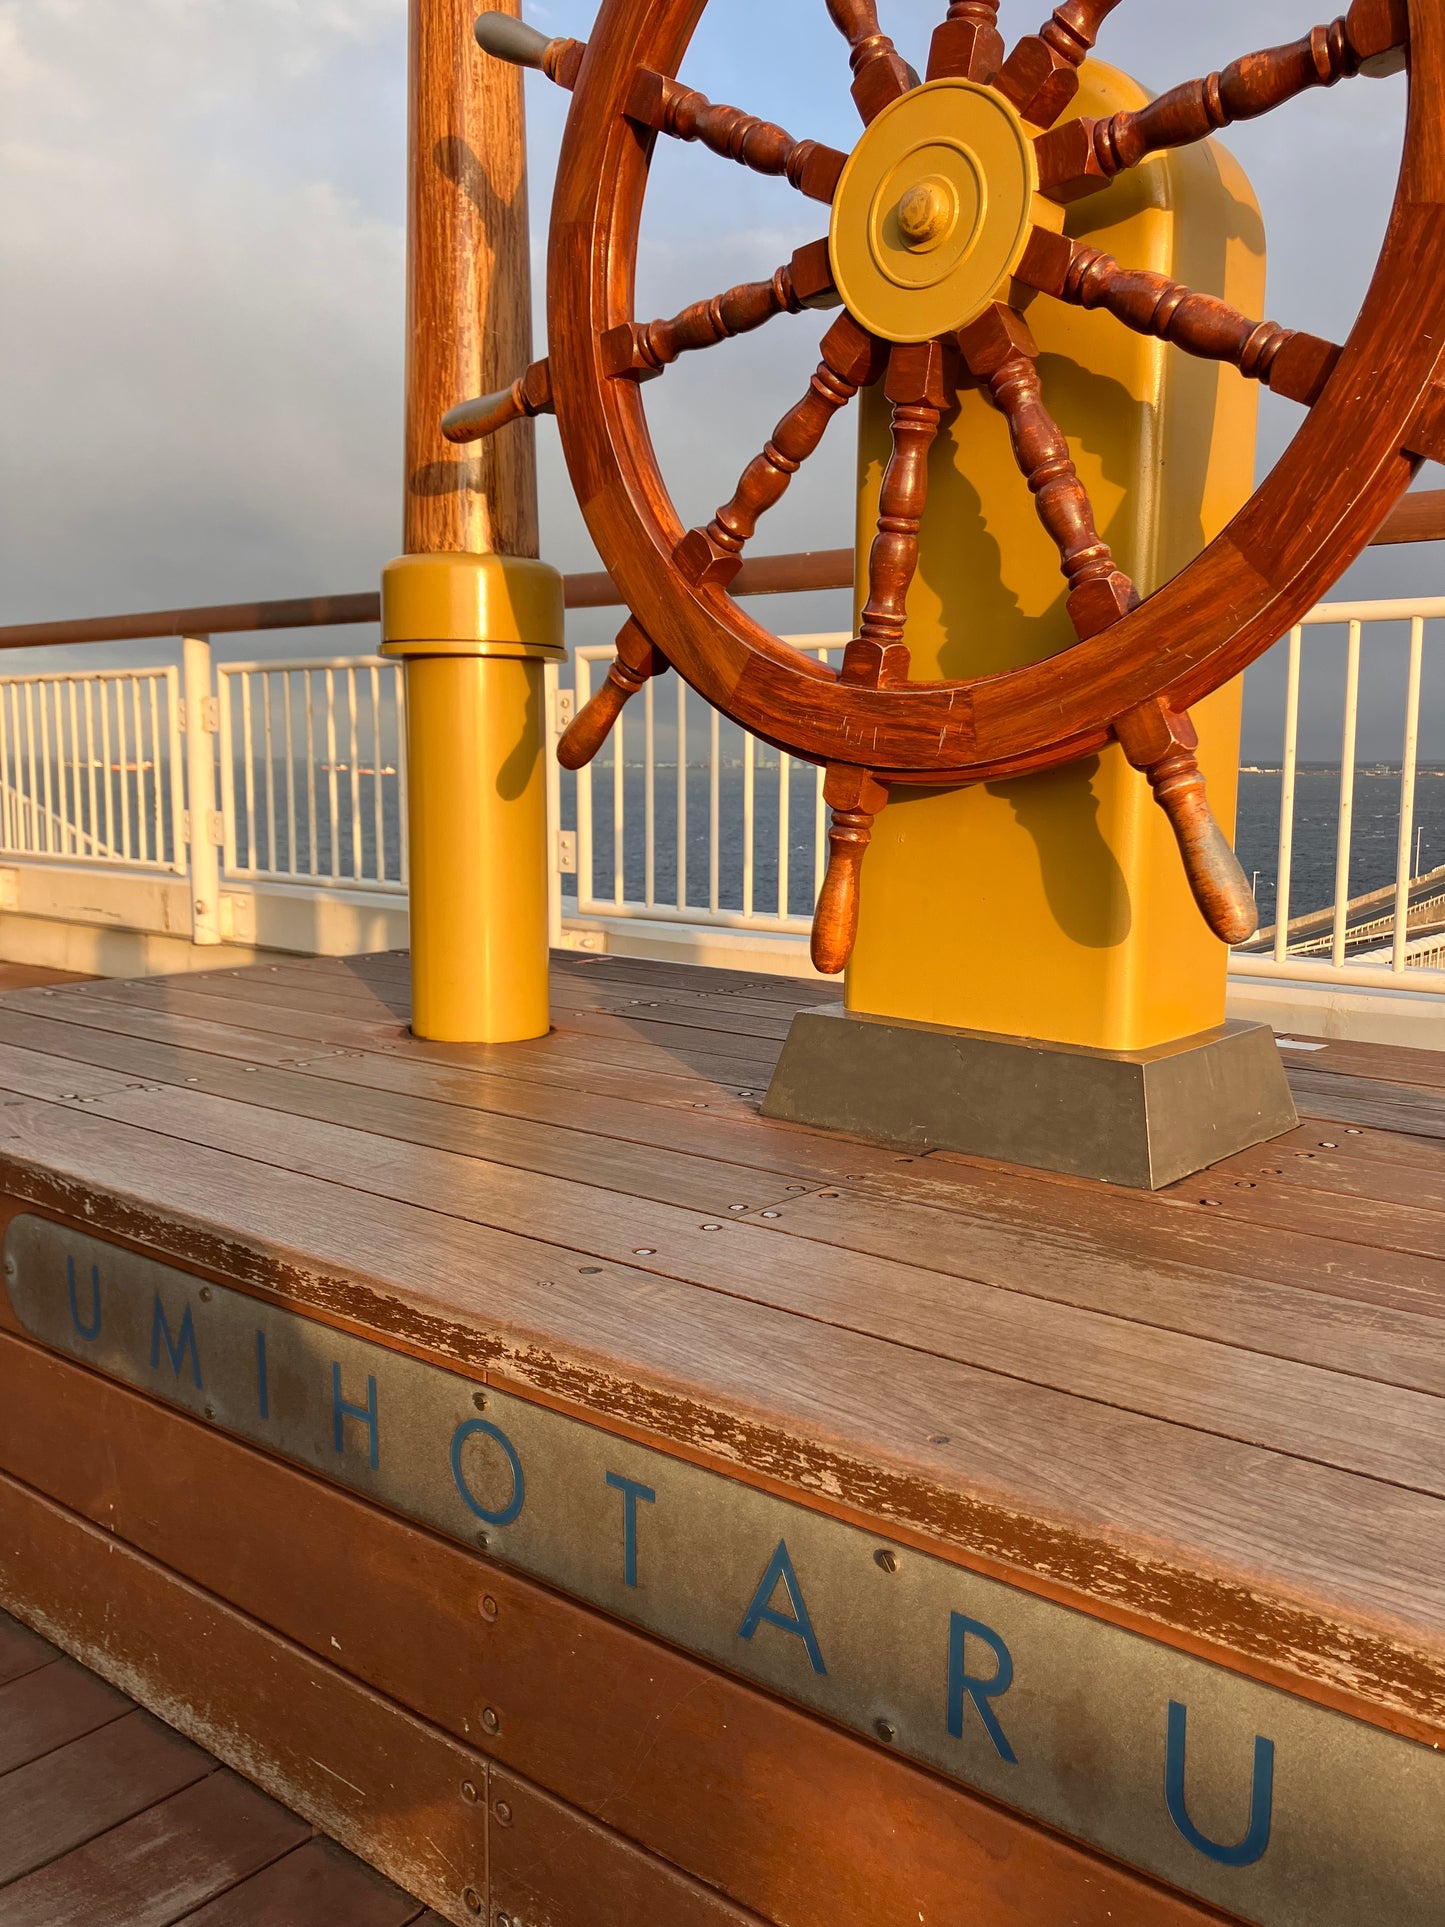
(201, 245)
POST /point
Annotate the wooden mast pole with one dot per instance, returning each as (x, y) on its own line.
(467, 606)
(468, 287)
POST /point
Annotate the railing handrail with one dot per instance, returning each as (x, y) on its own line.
(1417, 518)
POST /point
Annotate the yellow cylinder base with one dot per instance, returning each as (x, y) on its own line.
(1055, 906)
(477, 837)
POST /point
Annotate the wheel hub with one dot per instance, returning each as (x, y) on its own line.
(934, 211)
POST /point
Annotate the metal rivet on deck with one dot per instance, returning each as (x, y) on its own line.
(469, 1793)
(830, 1194)
(589, 1271)
(503, 1813)
(737, 1207)
(886, 1558)
(488, 1606)
(699, 1107)
(797, 1187)
(772, 1214)
(1328, 1144)
(1246, 1184)
(747, 1093)
(483, 1541)
(205, 1294)
(210, 1411)
(479, 1399)
(709, 1227)
(491, 1723)
(471, 1900)
(1210, 1201)
(886, 1731)
(1350, 1131)
(644, 1251)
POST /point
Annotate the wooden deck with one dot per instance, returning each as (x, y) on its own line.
(109, 1819)
(1213, 1415)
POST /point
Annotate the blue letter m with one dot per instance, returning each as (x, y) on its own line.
(176, 1348)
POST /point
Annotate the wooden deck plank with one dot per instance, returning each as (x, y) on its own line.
(1141, 1516)
(83, 1790)
(1382, 1430)
(50, 1707)
(606, 1041)
(1385, 1063)
(316, 1885)
(596, 1713)
(1408, 1108)
(1098, 1273)
(164, 1863)
(20, 1650)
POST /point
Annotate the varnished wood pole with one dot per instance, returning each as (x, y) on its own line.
(467, 606)
(469, 295)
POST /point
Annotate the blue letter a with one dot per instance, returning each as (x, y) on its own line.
(176, 1348)
(1261, 1798)
(780, 1568)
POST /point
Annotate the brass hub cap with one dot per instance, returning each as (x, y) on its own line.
(934, 211)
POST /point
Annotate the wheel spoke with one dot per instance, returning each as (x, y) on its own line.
(851, 360)
(916, 386)
(637, 661)
(1290, 363)
(687, 115)
(1086, 155)
(968, 45)
(880, 73)
(1041, 75)
(854, 796)
(1001, 353)
(473, 421)
(506, 38)
(1163, 743)
(643, 350)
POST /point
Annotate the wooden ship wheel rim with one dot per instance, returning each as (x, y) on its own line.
(1311, 516)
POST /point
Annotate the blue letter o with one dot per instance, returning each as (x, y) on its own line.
(519, 1484)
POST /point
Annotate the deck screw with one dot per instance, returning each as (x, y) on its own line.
(503, 1813)
(939, 1438)
(714, 1227)
(205, 1294)
(11, 1268)
(644, 1251)
(1328, 1144)
(490, 1722)
(489, 1606)
(737, 1207)
(472, 1900)
(589, 1271)
(1350, 1131)
(483, 1541)
(772, 1214)
(469, 1793)
(479, 1399)
(886, 1731)
(886, 1559)
(210, 1411)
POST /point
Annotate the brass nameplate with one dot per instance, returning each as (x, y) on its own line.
(1266, 1805)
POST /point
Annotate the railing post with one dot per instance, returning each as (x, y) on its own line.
(205, 865)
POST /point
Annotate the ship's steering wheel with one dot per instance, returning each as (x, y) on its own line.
(946, 219)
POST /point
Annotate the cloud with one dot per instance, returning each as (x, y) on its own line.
(201, 260)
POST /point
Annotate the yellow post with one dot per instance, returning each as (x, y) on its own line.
(472, 613)
(1055, 906)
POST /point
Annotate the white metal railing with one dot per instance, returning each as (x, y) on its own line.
(765, 876)
(292, 773)
(312, 768)
(90, 768)
(708, 834)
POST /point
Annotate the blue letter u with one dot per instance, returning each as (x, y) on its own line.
(1261, 1799)
(92, 1330)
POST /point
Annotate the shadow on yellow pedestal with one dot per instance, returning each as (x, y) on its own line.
(1055, 906)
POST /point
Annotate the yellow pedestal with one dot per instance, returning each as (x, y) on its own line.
(1055, 906)
(476, 632)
